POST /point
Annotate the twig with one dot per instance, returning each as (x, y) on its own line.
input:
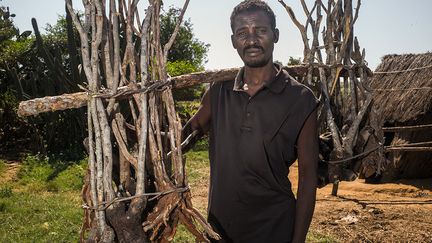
(353, 157)
(168, 45)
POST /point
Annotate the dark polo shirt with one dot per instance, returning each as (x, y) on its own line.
(252, 145)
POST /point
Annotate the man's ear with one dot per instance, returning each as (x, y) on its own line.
(276, 35)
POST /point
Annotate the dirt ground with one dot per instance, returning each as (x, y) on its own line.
(393, 212)
(10, 172)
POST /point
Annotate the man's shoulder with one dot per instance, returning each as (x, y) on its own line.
(294, 87)
(217, 86)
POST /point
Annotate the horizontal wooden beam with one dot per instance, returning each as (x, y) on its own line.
(77, 100)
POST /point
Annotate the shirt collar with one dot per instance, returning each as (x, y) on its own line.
(276, 85)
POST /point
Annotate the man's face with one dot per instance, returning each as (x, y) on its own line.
(254, 38)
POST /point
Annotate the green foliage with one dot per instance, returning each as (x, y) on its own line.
(186, 109)
(189, 94)
(176, 68)
(294, 61)
(57, 33)
(35, 67)
(186, 46)
(7, 28)
(201, 145)
(187, 54)
(13, 50)
(8, 100)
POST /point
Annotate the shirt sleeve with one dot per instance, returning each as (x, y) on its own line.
(309, 103)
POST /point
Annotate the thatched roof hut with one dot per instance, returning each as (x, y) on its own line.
(402, 87)
(403, 96)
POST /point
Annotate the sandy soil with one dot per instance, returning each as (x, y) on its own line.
(393, 212)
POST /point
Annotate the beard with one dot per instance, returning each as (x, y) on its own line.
(257, 61)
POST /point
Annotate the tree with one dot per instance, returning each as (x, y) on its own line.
(186, 47)
(16, 134)
(187, 55)
(294, 61)
(38, 66)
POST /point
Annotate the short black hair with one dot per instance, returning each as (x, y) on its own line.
(253, 5)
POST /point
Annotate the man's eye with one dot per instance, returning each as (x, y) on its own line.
(241, 34)
(262, 31)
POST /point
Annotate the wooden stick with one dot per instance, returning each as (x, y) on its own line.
(143, 118)
(407, 128)
(119, 134)
(170, 42)
(99, 162)
(411, 144)
(79, 99)
(92, 167)
(407, 149)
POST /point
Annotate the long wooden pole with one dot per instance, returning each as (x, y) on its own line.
(76, 100)
(408, 149)
(407, 128)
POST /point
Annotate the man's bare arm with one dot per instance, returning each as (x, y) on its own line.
(199, 124)
(307, 148)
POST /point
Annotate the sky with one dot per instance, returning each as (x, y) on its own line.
(383, 27)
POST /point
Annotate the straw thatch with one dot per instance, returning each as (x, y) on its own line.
(402, 87)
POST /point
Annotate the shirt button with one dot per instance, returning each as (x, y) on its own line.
(248, 114)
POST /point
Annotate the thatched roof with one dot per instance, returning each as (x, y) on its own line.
(402, 87)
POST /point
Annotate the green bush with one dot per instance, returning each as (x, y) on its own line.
(186, 109)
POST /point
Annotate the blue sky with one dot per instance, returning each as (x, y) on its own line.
(383, 27)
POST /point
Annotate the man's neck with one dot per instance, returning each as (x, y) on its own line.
(258, 76)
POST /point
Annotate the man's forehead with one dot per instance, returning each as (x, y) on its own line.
(252, 17)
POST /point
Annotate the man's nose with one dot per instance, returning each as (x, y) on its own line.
(252, 39)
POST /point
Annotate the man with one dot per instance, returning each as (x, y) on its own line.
(259, 124)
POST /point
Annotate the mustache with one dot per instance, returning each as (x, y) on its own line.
(254, 47)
